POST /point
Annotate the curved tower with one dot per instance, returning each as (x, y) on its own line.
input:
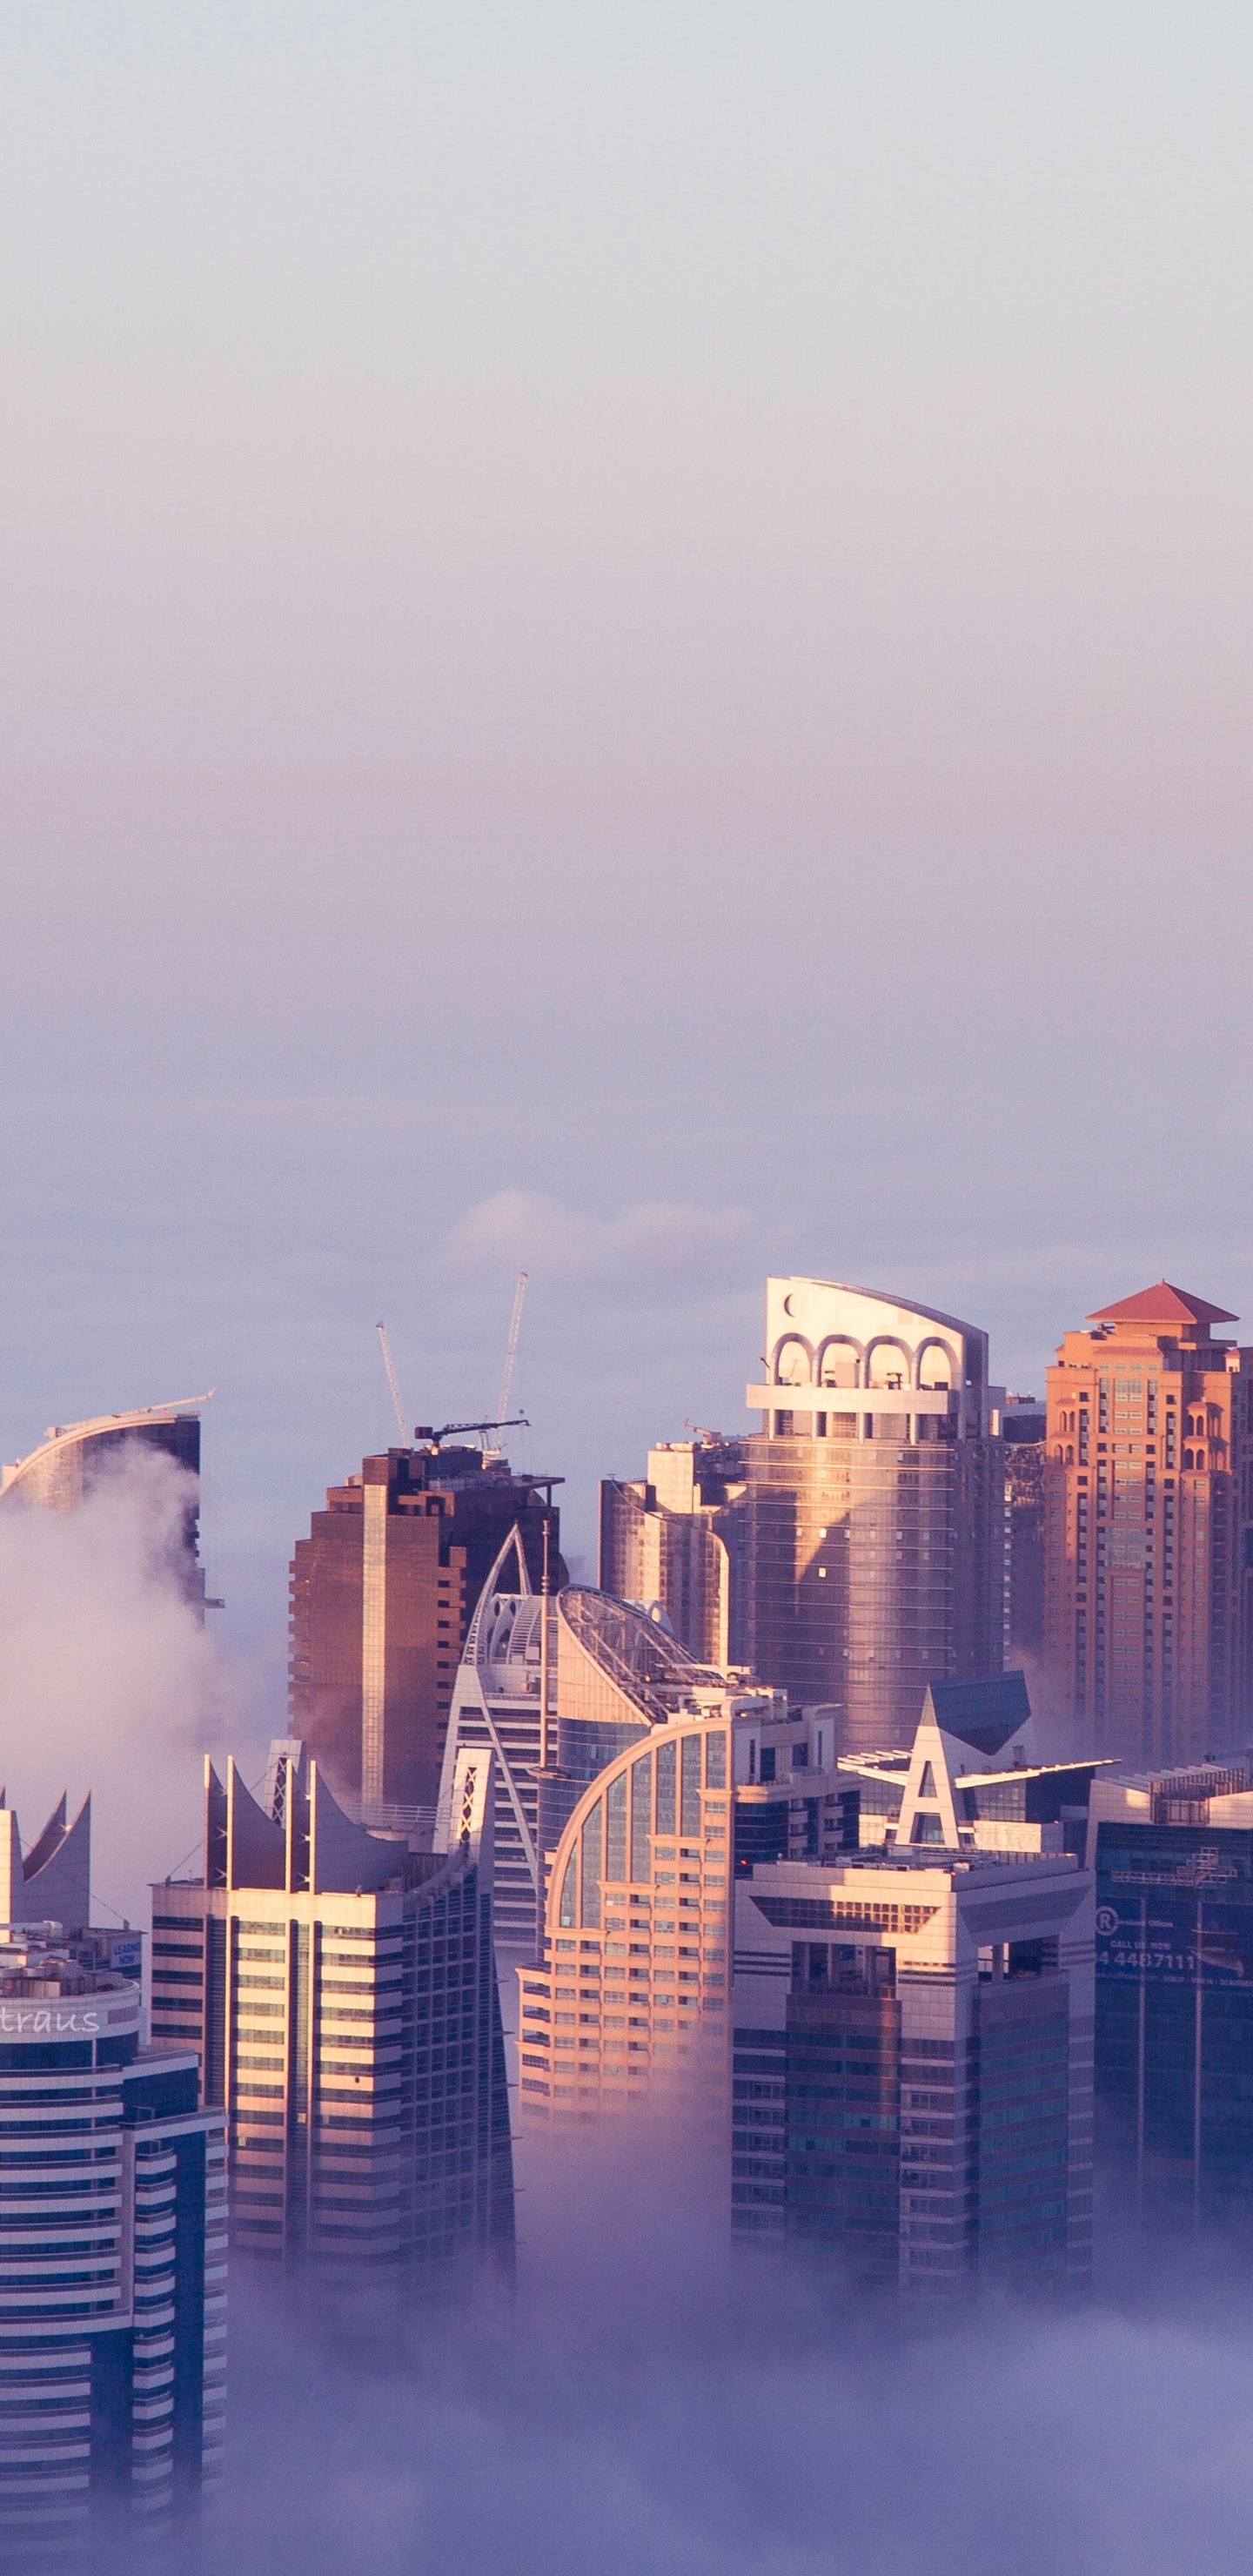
(875, 1557)
(112, 2278)
(72, 1458)
(629, 1992)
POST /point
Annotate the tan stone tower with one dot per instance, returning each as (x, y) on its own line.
(1149, 1454)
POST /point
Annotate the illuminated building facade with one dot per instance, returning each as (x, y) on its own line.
(629, 1993)
(381, 1593)
(676, 1538)
(340, 1993)
(875, 1550)
(1149, 1529)
(856, 1547)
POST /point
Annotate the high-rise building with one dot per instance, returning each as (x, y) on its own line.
(113, 2259)
(911, 2078)
(676, 1537)
(855, 1548)
(614, 1673)
(1149, 1529)
(876, 1529)
(382, 1591)
(913, 2064)
(339, 1991)
(74, 1457)
(628, 1994)
(1173, 1857)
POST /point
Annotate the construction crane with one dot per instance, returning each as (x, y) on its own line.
(381, 1330)
(434, 1439)
(511, 1348)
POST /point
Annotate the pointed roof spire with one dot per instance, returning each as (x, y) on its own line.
(1162, 1305)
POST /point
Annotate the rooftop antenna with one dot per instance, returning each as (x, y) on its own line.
(381, 1330)
(511, 1347)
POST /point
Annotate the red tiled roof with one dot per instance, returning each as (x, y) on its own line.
(1162, 1305)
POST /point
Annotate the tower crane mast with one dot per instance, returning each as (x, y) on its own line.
(381, 1330)
(511, 1347)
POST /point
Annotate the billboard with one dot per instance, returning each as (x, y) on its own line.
(1169, 1940)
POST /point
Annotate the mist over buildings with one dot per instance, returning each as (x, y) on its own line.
(109, 1683)
(646, 2401)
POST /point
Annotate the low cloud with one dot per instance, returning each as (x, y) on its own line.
(658, 1239)
(108, 1680)
(652, 2401)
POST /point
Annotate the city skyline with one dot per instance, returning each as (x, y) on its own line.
(626, 665)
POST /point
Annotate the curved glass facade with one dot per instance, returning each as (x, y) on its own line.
(112, 2211)
(630, 1991)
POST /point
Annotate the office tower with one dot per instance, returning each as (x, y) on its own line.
(381, 1594)
(73, 1458)
(340, 1994)
(676, 1537)
(1022, 1430)
(855, 1548)
(628, 1996)
(112, 2266)
(875, 1543)
(1173, 1857)
(852, 2021)
(890, 2004)
(613, 1673)
(1149, 1526)
(496, 1704)
(892, 2014)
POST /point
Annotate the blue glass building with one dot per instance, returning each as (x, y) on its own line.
(1174, 1987)
(112, 2258)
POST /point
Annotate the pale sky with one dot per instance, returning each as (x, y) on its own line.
(603, 612)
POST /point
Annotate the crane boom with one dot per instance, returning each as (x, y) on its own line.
(511, 1347)
(381, 1330)
(428, 1432)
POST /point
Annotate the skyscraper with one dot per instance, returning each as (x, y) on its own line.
(340, 1994)
(628, 1994)
(382, 1591)
(1148, 1529)
(676, 1537)
(1173, 1856)
(857, 1544)
(73, 1458)
(906, 2076)
(113, 2251)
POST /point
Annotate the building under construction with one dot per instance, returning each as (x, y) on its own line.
(382, 1592)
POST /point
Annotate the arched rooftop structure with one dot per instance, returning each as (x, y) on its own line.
(59, 1473)
(621, 1666)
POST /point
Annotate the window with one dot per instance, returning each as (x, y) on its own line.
(667, 1770)
(641, 1817)
(591, 1838)
(616, 1828)
(566, 1911)
(689, 1817)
